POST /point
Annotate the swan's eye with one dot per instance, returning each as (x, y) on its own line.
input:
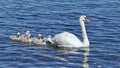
(87, 19)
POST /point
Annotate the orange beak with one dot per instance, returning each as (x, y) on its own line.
(87, 19)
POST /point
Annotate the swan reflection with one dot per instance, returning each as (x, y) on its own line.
(85, 57)
(85, 53)
(67, 50)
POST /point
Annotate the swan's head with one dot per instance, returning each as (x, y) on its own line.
(84, 18)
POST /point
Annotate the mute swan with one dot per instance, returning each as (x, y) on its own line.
(26, 40)
(25, 37)
(38, 41)
(22, 38)
(13, 37)
(27, 34)
(37, 38)
(66, 39)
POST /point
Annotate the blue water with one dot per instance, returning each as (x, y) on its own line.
(50, 17)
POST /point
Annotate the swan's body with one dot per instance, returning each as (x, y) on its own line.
(66, 39)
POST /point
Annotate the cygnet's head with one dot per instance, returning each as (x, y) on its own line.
(18, 34)
(28, 32)
(39, 35)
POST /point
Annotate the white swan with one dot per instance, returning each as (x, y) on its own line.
(66, 39)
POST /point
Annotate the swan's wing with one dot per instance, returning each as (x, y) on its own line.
(67, 39)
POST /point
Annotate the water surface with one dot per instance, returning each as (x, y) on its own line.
(50, 17)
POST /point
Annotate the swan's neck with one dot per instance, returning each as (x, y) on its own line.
(85, 37)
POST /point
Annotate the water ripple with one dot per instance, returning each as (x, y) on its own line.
(51, 17)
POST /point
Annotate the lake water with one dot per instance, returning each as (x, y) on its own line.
(50, 17)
